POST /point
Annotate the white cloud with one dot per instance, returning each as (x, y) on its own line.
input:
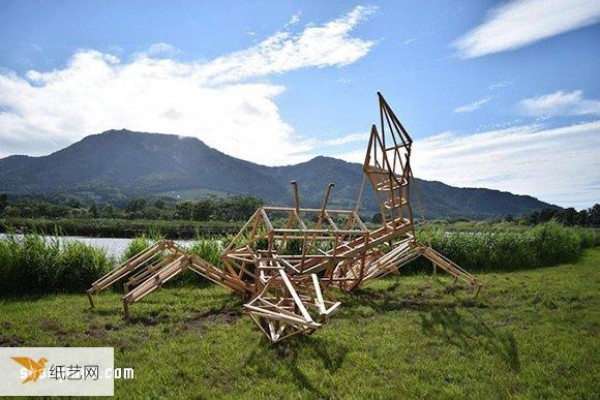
(317, 46)
(522, 22)
(351, 138)
(559, 165)
(560, 103)
(500, 85)
(295, 18)
(217, 101)
(162, 50)
(476, 105)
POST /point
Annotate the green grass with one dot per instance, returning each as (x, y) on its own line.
(530, 334)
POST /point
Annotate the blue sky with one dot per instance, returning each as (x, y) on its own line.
(503, 95)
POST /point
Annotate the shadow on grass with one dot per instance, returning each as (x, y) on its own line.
(452, 320)
(290, 353)
(391, 299)
(469, 332)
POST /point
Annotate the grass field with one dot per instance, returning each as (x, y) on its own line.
(530, 334)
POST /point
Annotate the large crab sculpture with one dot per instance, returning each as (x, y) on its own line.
(285, 259)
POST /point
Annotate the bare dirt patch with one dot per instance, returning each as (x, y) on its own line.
(11, 341)
(211, 318)
(95, 332)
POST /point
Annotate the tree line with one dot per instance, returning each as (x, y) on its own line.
(212, 208)
(589, 217)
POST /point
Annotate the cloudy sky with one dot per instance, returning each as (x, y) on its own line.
(503, 95)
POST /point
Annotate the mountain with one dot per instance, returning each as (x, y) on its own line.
(135, 163)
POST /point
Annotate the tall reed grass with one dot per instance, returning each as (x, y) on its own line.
(210, 250)
(136, 246)
(509, 250)
(33, 265)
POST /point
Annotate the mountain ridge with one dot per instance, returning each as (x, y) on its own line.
(139, 163)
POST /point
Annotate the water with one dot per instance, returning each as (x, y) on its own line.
(114, 247)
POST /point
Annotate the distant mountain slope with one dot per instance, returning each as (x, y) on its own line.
(137, 163)
(439, 200)
(313, 177)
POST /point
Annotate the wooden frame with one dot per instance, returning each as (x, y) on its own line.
(284, 257)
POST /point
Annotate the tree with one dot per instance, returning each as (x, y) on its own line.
(184, 210)
(568, 216)
(108, 210)
(73, 202)
(533, 218)
(203, 210)
(12, 212)
(546, 215)
(237, 208)
(582, 218)
(594, 216)
(3, 202)
(94, 210)
(377, 219)
(136, 204)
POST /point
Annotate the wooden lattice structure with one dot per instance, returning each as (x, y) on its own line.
(286, 259)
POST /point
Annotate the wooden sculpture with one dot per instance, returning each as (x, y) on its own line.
(286, 269)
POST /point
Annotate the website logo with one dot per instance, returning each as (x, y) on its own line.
(59, 371)
(35, 368)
